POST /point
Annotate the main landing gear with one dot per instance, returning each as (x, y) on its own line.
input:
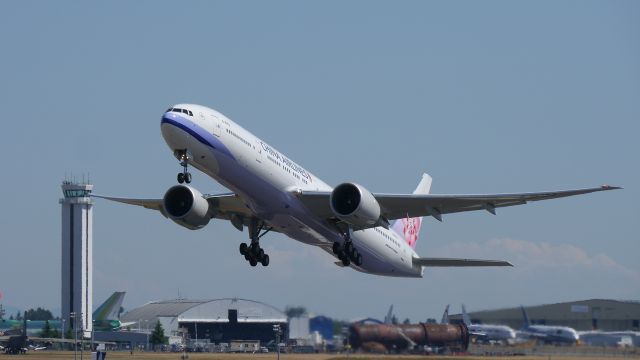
(184, 157)
(346, 252)
(253, 253)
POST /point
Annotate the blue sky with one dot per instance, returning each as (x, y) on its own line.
(484, 96)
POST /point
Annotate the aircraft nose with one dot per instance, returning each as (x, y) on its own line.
(174, 128)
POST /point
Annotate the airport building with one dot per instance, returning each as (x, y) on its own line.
(214, 321)
(77, 256)
(606, 315)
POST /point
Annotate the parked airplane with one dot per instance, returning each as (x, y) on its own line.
(550, 334)
(488, 332)
(105, 318)
(270, 192)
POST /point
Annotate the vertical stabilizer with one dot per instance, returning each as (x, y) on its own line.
(110, 309)
(465, 317)
(409, 228)
(389, 318)
(525, 317)
(445, 316)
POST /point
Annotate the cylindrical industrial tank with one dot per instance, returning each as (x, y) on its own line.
(397, 336)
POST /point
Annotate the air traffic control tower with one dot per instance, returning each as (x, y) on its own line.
(77, 256)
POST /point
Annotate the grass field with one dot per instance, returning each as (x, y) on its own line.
(45, 355)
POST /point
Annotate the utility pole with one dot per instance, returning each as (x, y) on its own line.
(74, 321)
(278, 332)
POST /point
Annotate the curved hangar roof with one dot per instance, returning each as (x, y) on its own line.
(216, 310)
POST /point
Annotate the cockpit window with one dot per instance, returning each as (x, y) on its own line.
(184, 111)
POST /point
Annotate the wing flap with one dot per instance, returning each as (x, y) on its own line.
(451, 262)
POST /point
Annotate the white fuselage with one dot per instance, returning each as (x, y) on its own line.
(266, 180)
(493, 332)
(552, 334)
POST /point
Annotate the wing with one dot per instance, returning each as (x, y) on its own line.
(448, 262)
(226, 205)
(395, 206)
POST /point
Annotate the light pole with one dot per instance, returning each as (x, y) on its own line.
(62, 336)
(278, 331)
(81, 336)
(74, 323)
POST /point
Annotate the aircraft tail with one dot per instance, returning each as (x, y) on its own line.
(525, 317)
(409, 228)
(465, 317)
(445, 316)
(110, 309)
(389, 318)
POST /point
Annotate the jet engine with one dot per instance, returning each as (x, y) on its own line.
(355, 205)
(186, 207)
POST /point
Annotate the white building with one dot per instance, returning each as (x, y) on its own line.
(77, 256)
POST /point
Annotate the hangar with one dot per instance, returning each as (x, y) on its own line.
(583, 315)
(215, 321)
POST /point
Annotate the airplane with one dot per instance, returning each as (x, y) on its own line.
(105, 318)
(550, 334)
(271, 192)
(489, 332)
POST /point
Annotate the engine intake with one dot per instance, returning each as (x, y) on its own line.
(186, 207)
(355, 205)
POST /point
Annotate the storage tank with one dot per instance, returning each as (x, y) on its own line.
(404, 336)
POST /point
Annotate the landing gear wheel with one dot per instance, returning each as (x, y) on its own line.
(253, 262)
(243, 248)
(348, 247)
(180, 178)
(353, 254)
(187, 177)
(265, 260)
(358, 260)
(346, 261)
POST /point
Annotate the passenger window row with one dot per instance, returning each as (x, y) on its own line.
(184, 111)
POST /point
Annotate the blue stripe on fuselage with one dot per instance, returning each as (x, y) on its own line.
(196, 131)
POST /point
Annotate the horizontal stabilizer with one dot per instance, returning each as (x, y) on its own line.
(447, 262)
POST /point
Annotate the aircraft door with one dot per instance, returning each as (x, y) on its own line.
(258, 147)
(217, 126)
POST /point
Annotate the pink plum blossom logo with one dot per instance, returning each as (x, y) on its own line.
(410, 228)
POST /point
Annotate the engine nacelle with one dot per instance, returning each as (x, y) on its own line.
(186, 207)
(355, 205)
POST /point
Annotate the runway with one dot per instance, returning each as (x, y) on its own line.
(45, 355)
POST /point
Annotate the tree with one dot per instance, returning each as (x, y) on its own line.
(295, 311)
(69, 333)
(406, 321)
(46, 330)
(157, 336)
(38, 314)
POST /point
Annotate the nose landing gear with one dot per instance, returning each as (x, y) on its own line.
(346, 252)
(253, 253)
(183, 156)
